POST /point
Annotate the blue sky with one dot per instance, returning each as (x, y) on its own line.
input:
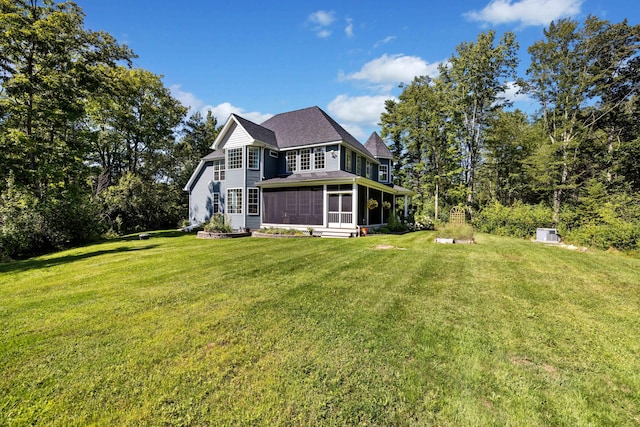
(257, 58)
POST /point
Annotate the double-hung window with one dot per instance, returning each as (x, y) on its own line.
(234, 200)
(216, 203)
(292, 160)
(305, 159)
(218, 170)
(358, 165)
(368, 171)
(318, 158)
(253, 158)
(234, 158)
(253, 201)
(348, 166)
(383, 173)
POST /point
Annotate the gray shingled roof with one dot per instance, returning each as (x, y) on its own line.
(309, 176)
(307, 127)
(377, 147)
(217, 154)
(257, 132)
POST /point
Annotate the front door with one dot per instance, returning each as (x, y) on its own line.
(340, 211)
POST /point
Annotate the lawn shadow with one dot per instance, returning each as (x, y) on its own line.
(34, 264)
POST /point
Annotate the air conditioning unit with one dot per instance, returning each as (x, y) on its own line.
(548, 235)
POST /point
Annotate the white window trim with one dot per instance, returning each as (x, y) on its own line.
(249, 166)
(238, 200)
(295, 160)
(322, 150)
(228, 162)
(257, 203)
(386, 167)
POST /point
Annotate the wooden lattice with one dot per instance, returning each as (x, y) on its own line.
(457, 215)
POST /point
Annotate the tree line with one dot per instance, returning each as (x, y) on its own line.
(574, 164)
(89, 144)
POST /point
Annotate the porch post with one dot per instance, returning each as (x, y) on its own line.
(325, 207)
(354, 205)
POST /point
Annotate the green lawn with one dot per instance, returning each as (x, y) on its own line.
(180, 331)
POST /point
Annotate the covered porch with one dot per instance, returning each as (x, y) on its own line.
(337, 207)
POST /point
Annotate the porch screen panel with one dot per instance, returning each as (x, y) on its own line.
(300, 206)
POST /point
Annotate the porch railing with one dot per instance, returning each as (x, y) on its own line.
(341, 217)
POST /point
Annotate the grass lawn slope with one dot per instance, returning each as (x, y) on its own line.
(181, 331)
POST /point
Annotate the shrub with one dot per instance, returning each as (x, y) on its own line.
(518, 220)
(218, 224)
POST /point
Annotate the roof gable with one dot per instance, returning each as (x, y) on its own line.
(238, 131)
(377, 147)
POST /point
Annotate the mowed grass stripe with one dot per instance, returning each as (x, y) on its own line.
(181, 331)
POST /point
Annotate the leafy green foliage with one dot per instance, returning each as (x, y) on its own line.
(218, 224)
(135, 204)
(517, 220)
(31, 225)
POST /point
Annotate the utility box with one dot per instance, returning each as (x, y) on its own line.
(549, 235)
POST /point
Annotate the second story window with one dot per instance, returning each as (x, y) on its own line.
(292, 161)
(348, 165)
(383, 173)
(253, 158)
(234, 158)
(218, 170)
(358, 165)
(305, 159)
(318, 158)
(368, 171)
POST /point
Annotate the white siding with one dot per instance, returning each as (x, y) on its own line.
(236, 137)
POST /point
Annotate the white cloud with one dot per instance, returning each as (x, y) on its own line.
(348, 30)
(224, 110)
(320, 22)
(386, 40)
(322, 18)
(525, 12)
(357, 110)
(512, 95)
(393, 69)
(220, 111)
(186, 98)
